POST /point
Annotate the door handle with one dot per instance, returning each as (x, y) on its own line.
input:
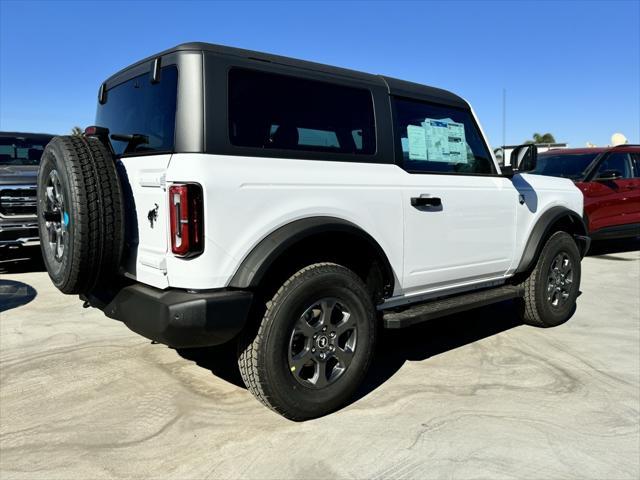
(426, 202)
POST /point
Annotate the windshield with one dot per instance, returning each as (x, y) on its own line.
(21, 150)
(566, 165)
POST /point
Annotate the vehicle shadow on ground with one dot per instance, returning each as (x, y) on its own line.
(15, 294)
(220, 360)
(604, 248)
(395, 347)
(435, 337)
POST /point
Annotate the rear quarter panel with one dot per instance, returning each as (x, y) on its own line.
(247, 198)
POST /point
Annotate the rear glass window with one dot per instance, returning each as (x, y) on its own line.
(21, 150)
(287, 113)
(439, 139)
(571, 166)
(141, 114)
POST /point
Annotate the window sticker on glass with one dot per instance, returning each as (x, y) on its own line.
(417, 141)
(445, 141)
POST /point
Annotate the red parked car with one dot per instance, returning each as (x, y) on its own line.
(610, 181)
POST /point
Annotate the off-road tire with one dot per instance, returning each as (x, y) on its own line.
(535, 308)
(94, 213)
(262, 352)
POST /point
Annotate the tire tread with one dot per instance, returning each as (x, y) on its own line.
(98, 215)
(531, 313)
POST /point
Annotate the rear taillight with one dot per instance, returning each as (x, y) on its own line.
(187, 219)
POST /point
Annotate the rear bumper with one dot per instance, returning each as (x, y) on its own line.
(179, 318)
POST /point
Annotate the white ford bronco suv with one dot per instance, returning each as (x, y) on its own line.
(297, 209)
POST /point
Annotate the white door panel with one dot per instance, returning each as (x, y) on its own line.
(471, 236)
(144, 192)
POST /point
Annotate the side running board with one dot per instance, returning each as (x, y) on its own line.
(448, 306)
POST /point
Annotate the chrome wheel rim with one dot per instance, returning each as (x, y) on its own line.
(55, 216)
(559, 280)
(322, 343)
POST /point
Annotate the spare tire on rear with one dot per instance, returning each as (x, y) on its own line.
(80, 213)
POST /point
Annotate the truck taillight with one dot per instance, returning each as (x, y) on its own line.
(187, 219)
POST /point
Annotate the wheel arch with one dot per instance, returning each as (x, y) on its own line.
(325, 232)
(555, 219)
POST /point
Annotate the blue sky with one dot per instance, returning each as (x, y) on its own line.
(570, 68)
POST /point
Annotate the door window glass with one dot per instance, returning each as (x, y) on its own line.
(618, 162)
(439, 139)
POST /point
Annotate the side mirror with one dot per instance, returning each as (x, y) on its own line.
(507, 170)
(524, 157)
(609, 175)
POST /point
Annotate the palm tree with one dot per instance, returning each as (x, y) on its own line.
(542, 138)
(77, 131)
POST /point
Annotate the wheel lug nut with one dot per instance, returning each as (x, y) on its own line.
(332, 334)
(332, 348)
(322, 355)
(313, 350)
(315, 335)
(324, 329)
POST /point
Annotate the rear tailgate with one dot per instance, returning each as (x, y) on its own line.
(147, 218)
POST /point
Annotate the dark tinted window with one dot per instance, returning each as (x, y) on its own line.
(21, 150)
(439, 139)
(140, 107)
(287, 113)
(635, 158)
(568, 165)
(619, 162)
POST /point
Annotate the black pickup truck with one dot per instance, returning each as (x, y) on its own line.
(19, 160)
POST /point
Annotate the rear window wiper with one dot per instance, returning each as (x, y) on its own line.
(133, 140)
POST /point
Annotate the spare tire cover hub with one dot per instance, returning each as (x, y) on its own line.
(56, 217)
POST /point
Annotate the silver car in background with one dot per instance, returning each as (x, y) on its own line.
(19, 161)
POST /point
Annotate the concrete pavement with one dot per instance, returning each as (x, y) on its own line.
(475, 395)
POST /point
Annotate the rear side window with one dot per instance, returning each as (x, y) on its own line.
(144, 111)
(271, 111)
(439, 139)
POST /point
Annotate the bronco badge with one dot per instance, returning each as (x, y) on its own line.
(152, 216)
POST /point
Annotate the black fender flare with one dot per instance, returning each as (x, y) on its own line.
(544, 227)
(256, 264)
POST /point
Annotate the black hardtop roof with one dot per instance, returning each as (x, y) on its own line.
(395, 86)
(30, 136)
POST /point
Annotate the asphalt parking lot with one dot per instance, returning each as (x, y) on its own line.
(475, 395)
